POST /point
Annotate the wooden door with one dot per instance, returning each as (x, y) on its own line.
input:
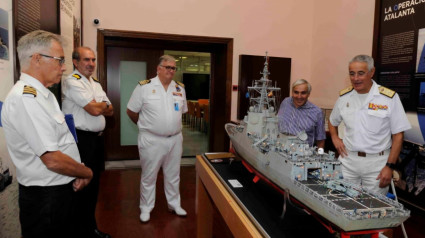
(250, 67)
(118, 61)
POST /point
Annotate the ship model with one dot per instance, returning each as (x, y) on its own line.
(310, 176)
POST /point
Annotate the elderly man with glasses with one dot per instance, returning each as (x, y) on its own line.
(156, 106)
(49, 169)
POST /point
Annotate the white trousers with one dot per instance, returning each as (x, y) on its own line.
(364, 170)
(156, 152)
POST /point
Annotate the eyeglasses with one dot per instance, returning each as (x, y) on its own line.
(169, 67)
(60, 59)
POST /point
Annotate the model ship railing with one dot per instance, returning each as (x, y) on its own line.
(359, 214)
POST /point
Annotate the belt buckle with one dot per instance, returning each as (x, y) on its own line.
(361, 154)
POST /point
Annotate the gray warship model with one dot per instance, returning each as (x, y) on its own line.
(312, 177)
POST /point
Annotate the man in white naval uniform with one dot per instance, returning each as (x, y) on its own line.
(85, 99)
(39, 141)
(374, 121)
(156, 106)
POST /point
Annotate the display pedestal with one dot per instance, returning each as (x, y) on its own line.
(209, 190)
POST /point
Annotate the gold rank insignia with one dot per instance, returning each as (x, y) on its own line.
(95, 79)
(179, 83)
(77, 76)
(345, 91)
(143, 82)
(28, 90)
(386, 92)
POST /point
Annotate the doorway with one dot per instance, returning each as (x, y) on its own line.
(137, 51)
(194, 71)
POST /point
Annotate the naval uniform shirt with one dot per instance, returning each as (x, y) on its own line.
(78, 91)
(34, 124)
(369, 124)
(160, 111)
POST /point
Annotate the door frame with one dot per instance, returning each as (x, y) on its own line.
(221, 50)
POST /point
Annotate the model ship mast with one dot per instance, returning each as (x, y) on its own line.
(263, 96)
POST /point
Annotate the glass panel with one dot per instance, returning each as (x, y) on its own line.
(131, 72)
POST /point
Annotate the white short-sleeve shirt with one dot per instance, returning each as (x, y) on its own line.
(160, 111)
(34, 124)
(369, 125)
(78, 91)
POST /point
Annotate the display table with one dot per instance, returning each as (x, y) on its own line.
(252, 210)
(210, 190)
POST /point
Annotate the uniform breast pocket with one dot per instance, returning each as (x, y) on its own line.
(374, 121)
(62, 130)
(153, 101)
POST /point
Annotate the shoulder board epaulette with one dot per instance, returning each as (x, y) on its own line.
(95, 79)
(28, 90)
(143, 82)
(179, 83)
(77, 76)
(386, 92)
(345, 91)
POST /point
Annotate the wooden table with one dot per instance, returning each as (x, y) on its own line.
(210, 190)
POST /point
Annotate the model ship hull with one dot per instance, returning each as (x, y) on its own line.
(366, 212)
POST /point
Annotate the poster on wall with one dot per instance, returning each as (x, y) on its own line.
(6, 71)
(70, 23)
(400, 64)
(400, 60)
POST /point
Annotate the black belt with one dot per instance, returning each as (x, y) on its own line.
(99, 133)
(364, 154)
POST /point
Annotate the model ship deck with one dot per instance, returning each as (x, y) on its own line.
(312, 177)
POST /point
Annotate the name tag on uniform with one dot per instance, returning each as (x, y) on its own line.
(176, 106)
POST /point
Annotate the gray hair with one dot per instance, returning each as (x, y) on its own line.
(301, 81)
(166, 58)
(364, 59)
(35, 42)
(76, 53)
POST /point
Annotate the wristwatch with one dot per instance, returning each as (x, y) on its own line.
(391, 165)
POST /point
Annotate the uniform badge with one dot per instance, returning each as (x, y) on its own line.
(345, 91)
(143, 82)
(177, 94)
(386, 91)
(29, 91)
(348, 104)
(77, 76)
(178, 89)
(153, 91)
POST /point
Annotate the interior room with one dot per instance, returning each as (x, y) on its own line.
(231, 71)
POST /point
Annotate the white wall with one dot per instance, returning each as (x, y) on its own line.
(305, 31)
(341, 30)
